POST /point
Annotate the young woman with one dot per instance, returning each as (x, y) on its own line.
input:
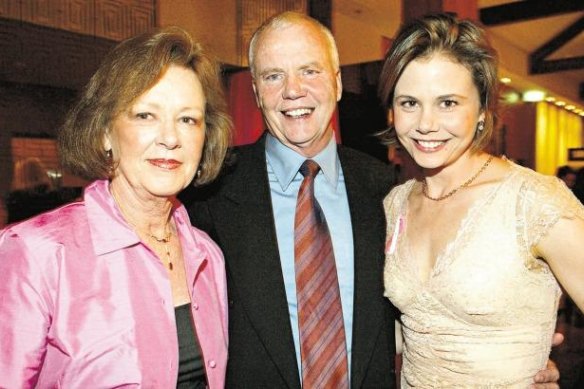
(478, 247)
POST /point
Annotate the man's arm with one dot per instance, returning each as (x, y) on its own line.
(548, 378)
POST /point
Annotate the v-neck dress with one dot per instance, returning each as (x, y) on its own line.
(486, 315)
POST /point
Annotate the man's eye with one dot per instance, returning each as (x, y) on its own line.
(273, 77)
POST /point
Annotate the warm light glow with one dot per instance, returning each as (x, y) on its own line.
(560, 103)
(570, 107)
(512, 97)
(505, 80)
(533, 95)
(550, 99)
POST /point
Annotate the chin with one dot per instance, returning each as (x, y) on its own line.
(169, 190)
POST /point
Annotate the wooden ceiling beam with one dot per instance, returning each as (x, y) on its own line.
(527, 10)
(537, 59)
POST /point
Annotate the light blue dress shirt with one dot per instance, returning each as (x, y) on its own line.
(330, 191)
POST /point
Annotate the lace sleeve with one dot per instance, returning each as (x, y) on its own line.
(543, 200)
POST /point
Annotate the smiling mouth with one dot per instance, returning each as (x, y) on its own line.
(298, 113)
(430, 144)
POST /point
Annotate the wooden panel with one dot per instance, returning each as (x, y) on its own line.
(110, 19)
(252, 13)
(10, 9)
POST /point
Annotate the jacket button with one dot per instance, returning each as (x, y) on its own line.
(212, 364)
(195, 306)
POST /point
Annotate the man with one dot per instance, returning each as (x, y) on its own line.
(250, 213)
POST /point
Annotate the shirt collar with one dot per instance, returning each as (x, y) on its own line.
(109, 229)
(286, 162)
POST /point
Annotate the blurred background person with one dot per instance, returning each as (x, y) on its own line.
(31, 191)
(568, 175)
(119, 289)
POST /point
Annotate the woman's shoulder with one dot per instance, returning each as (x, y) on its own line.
(51, 226)
(201, 238)
(536, 183)
(400, 191)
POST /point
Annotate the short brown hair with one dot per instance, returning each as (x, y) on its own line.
(128, 71)
(461, 40)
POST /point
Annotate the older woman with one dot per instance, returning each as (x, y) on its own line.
(478, 246)
(119, 289)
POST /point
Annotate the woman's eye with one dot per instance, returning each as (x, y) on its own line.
(143, 115)
(449, 103)
(190, 120)
(408, 103)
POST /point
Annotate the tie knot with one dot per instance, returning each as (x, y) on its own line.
(309, 168)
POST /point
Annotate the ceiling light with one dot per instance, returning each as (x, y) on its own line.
(550, 99)
(506, 80)
(570, 107)
(533, 95)
(512, 97)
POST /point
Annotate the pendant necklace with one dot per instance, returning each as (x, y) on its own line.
(164, 240)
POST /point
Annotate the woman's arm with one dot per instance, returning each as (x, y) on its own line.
(563, 249)
(24, 314)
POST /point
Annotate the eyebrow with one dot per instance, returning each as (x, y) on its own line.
(441, 97)
(313, 64)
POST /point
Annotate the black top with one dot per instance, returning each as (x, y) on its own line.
(191, 369)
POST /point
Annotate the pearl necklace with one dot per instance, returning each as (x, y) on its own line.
(453, 191)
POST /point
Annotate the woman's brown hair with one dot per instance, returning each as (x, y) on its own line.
(462, 41)
(128, 71)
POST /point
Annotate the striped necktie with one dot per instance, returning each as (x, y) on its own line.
(320, 317)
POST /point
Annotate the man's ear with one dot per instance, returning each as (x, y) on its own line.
(255, 93)
(339, 85)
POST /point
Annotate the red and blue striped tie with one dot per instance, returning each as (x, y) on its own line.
(320, 317)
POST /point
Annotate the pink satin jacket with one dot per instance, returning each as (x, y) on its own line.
(85, 304)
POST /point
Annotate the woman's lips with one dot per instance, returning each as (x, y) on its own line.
(168, 164)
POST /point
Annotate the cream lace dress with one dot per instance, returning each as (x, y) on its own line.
(486, 315)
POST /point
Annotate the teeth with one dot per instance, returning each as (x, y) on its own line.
(429, 144)
(298, 112)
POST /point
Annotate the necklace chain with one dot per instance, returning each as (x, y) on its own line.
(165, 239)
(453, 191)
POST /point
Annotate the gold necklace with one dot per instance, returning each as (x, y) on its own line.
(165, 239)
(453, 191)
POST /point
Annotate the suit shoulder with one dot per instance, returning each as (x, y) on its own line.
(371, 169)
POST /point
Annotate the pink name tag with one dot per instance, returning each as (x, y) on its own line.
(391, 244)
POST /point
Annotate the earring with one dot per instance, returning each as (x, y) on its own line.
(480, 126)
(109, 154)
(198, 174)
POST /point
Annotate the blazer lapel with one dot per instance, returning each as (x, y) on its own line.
(249, 242)
(368, 235)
